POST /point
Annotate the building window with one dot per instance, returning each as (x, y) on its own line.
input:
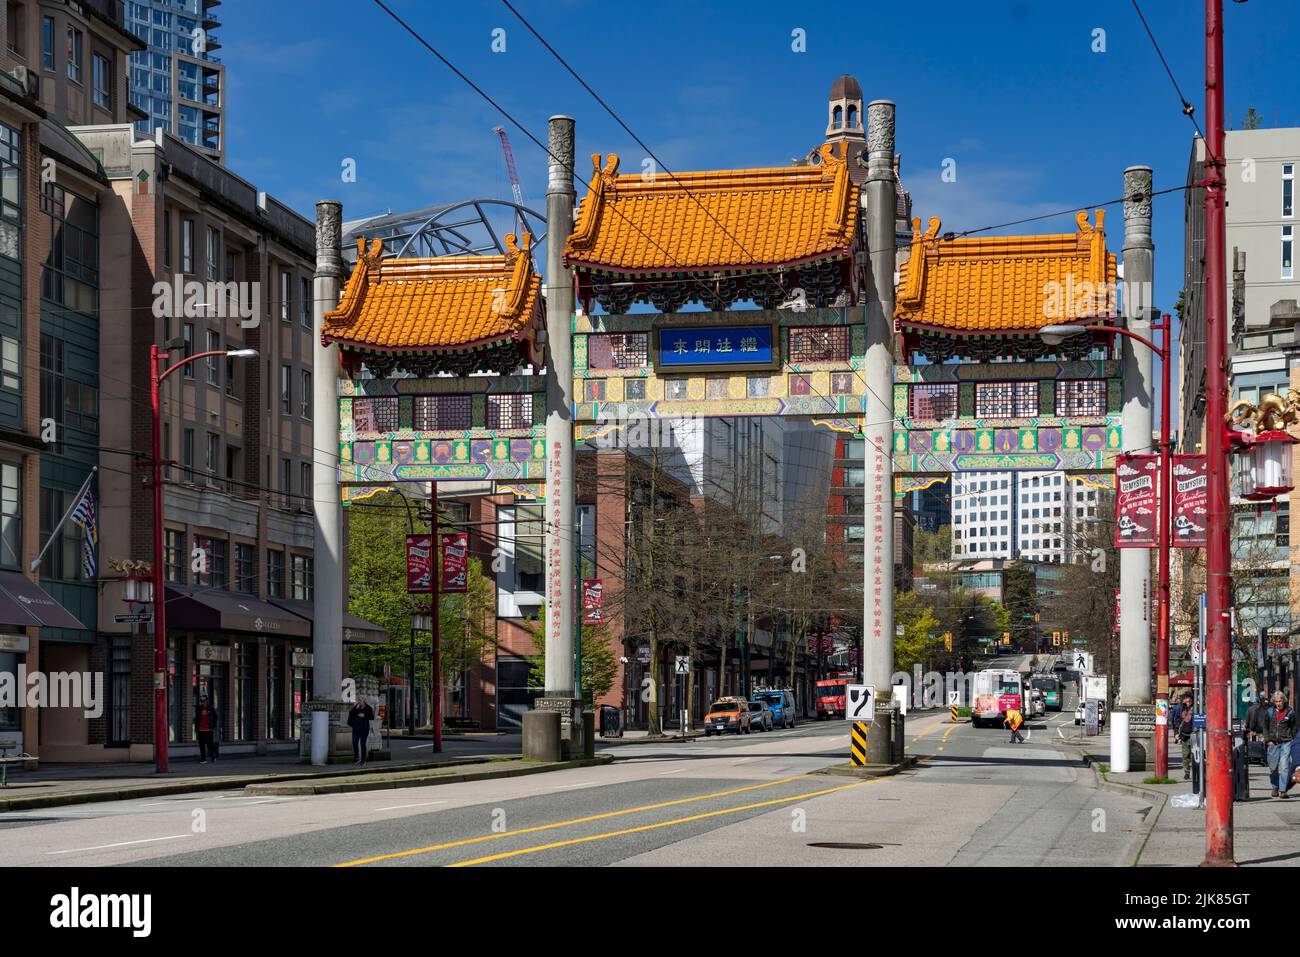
(63, 560)
(274, 573)
(187, 245)
(174, 556)
(303, 578)
(304, 476)
(187, 454)
(11, 515)
(382, 414)
(285, 294)
(102, 78)
(214, 252)
(932, 401)
(15, 27)
(10, 363)
(167, 238)
(1288, 189)
(187, 333)
(74, 54)
(213, 460)
(1288, 244)
(286, 390)
(230, 377)
(71, 271)
(630, 350)
(47, 43)
(245, 569)
(286, 481)
(1081, 397)
(11, 192)
(434, 413)
(510, 411)
(819, 344)
(304, 398)
(214, 362)
(215, 560)
(304, 301)
(1006, 400)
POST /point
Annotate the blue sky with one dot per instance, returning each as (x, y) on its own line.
(1009, 89)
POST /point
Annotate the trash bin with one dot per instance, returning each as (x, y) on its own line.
(611, 722)
(1240, 773)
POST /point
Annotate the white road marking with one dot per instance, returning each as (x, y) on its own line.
(100, 847)
(564, 787)
(678, 771)
(417, 747)
(398, 807)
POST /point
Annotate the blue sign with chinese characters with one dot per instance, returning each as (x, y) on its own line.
(682, 348)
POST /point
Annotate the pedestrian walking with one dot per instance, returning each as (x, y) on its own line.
(1013, 720)
(1254, 723)
(359, 719)
(1279, 732)
(205, 729)
(1183, 716)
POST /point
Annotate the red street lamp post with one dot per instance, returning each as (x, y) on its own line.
(156, 376)
(1053, 335)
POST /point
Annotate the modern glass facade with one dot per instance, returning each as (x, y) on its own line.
(178, 81)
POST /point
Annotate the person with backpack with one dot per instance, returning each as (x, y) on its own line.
(1279, 732)
(1183, 715)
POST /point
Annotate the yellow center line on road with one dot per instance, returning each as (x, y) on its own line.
(651, 827)
(579, 820)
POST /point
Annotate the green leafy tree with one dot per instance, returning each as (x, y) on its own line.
(921, 635)
(929, 548)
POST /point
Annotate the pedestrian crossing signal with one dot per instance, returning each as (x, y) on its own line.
(1056, 638)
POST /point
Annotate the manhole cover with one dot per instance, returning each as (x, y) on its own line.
(846, 845)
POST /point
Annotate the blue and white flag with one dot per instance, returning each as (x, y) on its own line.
(84, 515)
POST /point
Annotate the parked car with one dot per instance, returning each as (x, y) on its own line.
(1101, 713)
(782, 705)
(1037, 706)
(760, 715)
(727, 714)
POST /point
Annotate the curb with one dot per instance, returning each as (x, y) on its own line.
(870, 771)
(417, 779)
(1159, 800)
(33, 802)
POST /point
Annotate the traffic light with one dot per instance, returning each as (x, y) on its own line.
(1065, 637)
(947, 641)
(1056, 638)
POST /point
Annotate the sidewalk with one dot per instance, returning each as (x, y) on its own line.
(1265, 829)
(53, 785)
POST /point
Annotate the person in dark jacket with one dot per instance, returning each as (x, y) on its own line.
(1279, 732)
(1182, 730)
(206, 720)
(1255, 718)
(359, 719)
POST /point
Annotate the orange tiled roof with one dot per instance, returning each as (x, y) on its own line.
(724, 219)
(1006, 284)
(450, 302)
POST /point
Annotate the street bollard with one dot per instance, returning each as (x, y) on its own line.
(1119, 741)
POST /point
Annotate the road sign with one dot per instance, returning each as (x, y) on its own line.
(643, 654)
(861, 703)
(858, 744)
(1090, 717)
(952, 713)
(1082, 661)
(683, 665)
(1197, 648)
(143, 618)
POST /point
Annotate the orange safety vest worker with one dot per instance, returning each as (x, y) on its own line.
(1014, 719)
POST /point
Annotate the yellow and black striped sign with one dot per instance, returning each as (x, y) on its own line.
(953, 712)
(858, 743)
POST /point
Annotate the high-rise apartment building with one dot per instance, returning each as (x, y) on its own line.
(178, 81)
(1038, 516)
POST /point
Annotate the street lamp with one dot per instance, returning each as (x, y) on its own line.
(156, 376)
(1056, 334)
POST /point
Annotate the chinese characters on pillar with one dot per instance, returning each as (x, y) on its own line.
(555, 597)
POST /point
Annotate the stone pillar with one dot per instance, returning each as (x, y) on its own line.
(327, 510)
(1135, 594)
(561, 521)
(878, 411)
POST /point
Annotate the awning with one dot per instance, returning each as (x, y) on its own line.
(356, 631)
(225, 611)
(24, 603)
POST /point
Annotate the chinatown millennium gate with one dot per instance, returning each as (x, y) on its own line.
(814, 251)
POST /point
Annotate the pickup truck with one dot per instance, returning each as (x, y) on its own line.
(782, 705)
(727, 715)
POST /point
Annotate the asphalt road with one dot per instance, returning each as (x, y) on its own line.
(973, 799)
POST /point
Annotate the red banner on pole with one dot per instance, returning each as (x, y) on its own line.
(455, 561)
(1135, 500)
(1190, 501)
(419, 564)
(593, 601)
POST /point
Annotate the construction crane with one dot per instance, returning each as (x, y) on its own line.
(510, 168)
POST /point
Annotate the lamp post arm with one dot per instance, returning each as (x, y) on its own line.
(194, 358)
(1162, 353)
